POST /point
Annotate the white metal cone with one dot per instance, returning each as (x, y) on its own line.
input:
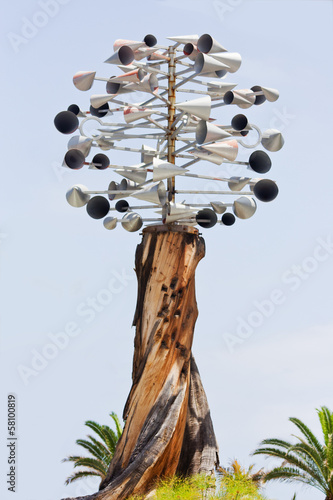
(165, 170)
(136, 174)
(271, 95)
(80, 142)
(226, 149)
(131, 222)
(207, 155)
(215, 46)
(110, 222)
(143, 52)
(154, 193)
(148, 84)
(83, 80)
(207, 64)
(131, 113)
(184, 39)
(244, 207)
(122, 56)
(243, 99)
(130, 43)
(207, 132)
(238, 183)
(272, 140)
(218, 207)
(178, 211)
(97, 100)
(77, 197)
(232, 59)
(199, 107)
(129, 76)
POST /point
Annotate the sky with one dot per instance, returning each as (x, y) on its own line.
(263, 338)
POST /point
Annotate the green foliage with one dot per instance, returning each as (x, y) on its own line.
(238, 483)
(101, 451)
(202, 487)
(308, 460)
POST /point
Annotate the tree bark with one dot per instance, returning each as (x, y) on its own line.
(168, 427)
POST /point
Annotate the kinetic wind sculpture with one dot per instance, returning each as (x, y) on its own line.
(168, 425)
(165, 123)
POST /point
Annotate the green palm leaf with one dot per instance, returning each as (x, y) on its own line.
(119, 428)
(92, 463)
(81, 474)
(307, 461)
(309, 436)
(94, 426)
(91, 447)
(101, 451)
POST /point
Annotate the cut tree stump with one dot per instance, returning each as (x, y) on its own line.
(168, 427)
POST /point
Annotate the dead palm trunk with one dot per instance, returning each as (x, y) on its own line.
(168, 426)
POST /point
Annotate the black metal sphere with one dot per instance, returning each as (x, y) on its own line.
(150, 40)
(101, 161)
(228, 219)
(101, 111)
(260, 162)
(206, 218)
(260, 99)
(74, 108)
(239, 122)
(74, 159)
(98, 207)
(265, 190)
(122, 206)
(188, 49)
(66, 122)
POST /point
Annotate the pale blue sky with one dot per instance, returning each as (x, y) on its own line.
(55, 258)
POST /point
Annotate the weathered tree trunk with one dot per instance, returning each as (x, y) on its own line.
(168, 426)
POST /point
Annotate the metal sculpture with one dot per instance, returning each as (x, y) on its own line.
(163, 126)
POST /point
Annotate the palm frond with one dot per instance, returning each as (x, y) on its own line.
(287, 457)
(309, 436)
(92, 463)
(71, 458)
(116, 420)
(310, 454)
(100, 445)
(326, 421)
(81, 474)
(276, 442)
(94, 426)
(110, 438)
(91, 447)
(287, 474)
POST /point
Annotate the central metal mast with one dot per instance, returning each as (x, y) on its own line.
(171, 118)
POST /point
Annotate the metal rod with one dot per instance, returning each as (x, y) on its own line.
(171, 112)
(184, 81)
(234, 193)
(189, 145)
(179, 117)
(145, 103)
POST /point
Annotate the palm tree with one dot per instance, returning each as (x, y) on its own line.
(308, 460)
(101, 450)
